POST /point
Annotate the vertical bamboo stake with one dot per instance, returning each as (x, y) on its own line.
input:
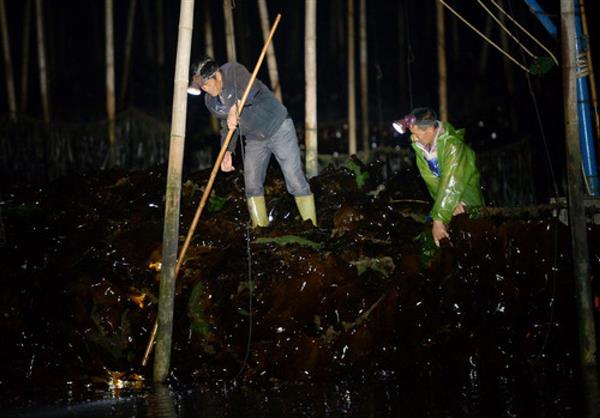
(8, 70)
(166, 302)
(271, 60)
(110, 81)
(148, 30)
(210, 51)
(160, 53)
(364, 76)
(402, 55)
(127, 58)
(39, 13)
(310, 74)
(577, 222)
(351, 82)
(229, 31)
(25, 55)
(442, 73)
(509, 73)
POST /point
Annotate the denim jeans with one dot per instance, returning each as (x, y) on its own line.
(284, 145)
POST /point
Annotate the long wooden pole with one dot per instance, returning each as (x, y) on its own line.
(271, 60)
(110, 80)
(310, 75)
(168, 273)
(8, 70)
(209, 185)
(351, 82)
(577, 221)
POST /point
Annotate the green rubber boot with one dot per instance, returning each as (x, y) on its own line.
(306, 207)
(258, 211)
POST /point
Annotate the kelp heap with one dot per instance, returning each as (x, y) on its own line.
(365, 295)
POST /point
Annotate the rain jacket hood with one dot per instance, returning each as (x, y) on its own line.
(459, 178)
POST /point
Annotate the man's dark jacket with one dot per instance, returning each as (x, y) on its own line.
(263, 113)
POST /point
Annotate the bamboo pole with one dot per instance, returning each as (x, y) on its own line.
(160, 54)
(271, 60)
(110, 81)
(166, 303)
(8, 70)
(42, 69)
(351, 82)
(176, 187)
(310, 74)
(364, 76)
(509, 74)
(25, 56)
(441, 53)
(577, 223)
(588, 51)
(127, 58)
(210, 51)
(148, 30)
(229, 31)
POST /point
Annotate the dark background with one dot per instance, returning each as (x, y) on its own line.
(402, 66)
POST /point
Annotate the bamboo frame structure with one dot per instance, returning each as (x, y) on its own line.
(210, 182)
(310, 74)
(25, 56)
(229, 31)
(577, 222)
(364, 76)
(210, 51)
(8, 70)
(168, 274)
(351, 82)
(271, 60)
(42, 69)
(127, 58)
(441, 59)
(110, 81)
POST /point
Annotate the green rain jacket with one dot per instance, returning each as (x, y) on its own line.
(459, 177)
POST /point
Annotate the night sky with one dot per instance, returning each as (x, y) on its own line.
(402, 63)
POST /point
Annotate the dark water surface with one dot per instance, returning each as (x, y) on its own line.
(361, 316)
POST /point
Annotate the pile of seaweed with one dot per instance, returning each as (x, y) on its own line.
(365, 295)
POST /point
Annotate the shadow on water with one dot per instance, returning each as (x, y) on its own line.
(358, 317)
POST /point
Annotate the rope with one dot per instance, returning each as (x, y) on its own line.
(484, 37)
(509, 33)
(248, 248)
(520, 27)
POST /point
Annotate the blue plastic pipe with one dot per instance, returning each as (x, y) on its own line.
(586, 137)
(542, 17)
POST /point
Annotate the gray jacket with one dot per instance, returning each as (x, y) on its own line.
(263, 113)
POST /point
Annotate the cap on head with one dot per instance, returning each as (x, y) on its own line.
(205, 68)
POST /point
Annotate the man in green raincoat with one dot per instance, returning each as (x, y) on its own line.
(447, 166)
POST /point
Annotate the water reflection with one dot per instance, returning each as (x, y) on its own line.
(161, 403)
